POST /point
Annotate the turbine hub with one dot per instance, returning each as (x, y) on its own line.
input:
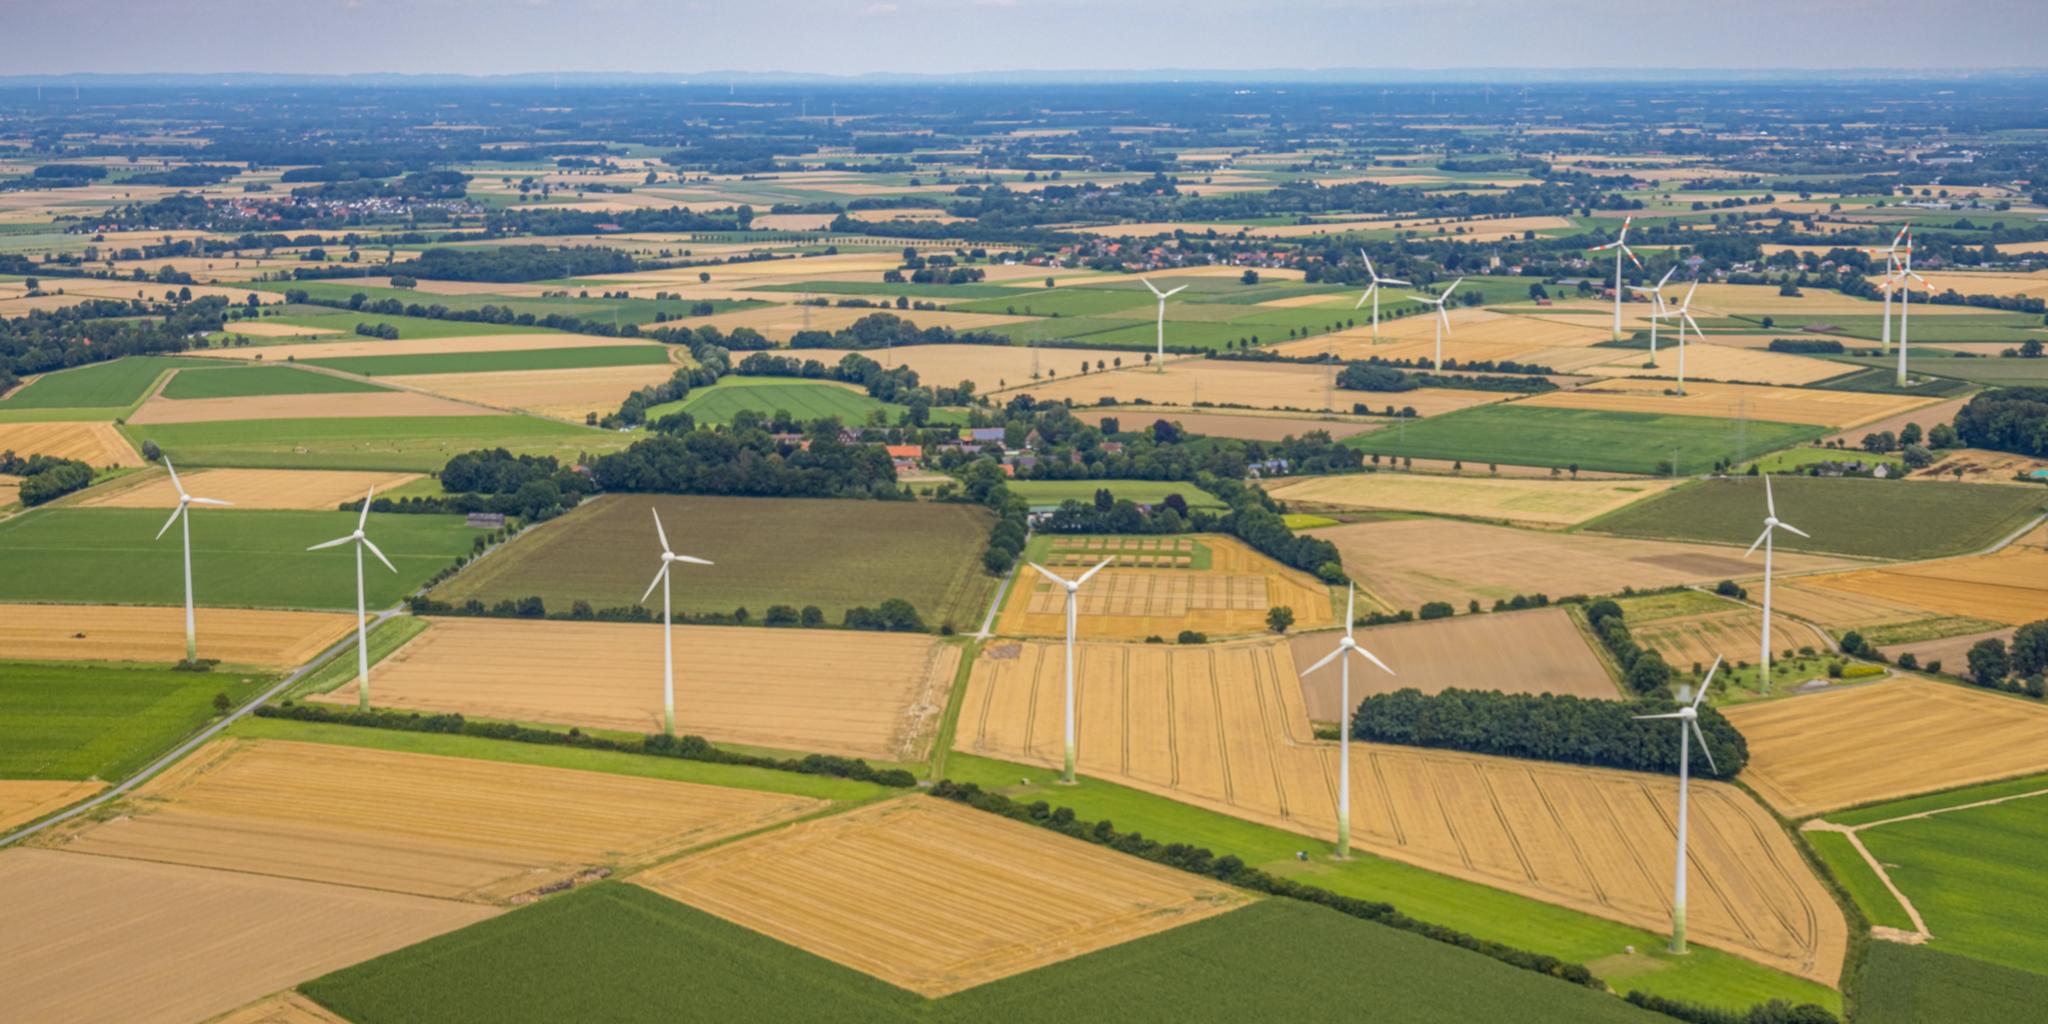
(358, 535)
(1771, 521)
(1688, 712)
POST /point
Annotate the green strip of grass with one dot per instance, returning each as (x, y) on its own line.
(571, 357)
(115, 384)
(104, 721)
(1919, 985)
(1519, 434)
(1941, 801)
(241, 381)
(1877, 902)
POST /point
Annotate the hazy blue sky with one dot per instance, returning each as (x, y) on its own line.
(852, 36)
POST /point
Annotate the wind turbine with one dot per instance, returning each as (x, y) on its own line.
(1657, 298)
(1620, 247)
(1372, 291)
(668, 651)
(1683, 314)
(184, 512)
(1891, 273)
(1771, 524)
(1443, 319)
(1072, 587)
(1906, 277)
(1163, 296)
(362, 619)
(1688, 716)
(1348, 645)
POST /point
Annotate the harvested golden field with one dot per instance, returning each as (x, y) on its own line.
(2034, 285)
(341, 405)
(780, 323)
(1838, 609)
(97, 443)
(1735, 634)
(25, 800)
(816, 691)
(1187, 382)
(447, 827)
(147, 943)
(2009, 586)
(1230, 597)
(1537, 500)
(1013, 897)
(1720, 362)
(1225, 727)
(283, 1008)
(1407, 562)
(355, 346)
(1764, 300)
(562, 394)
(10, 489)
(1839, 409)
(1352, 345)
(106, 632)
(317, 489)
(1227, 424)
(1952, 652)
(1925, 415)
(273, 329)
(990, 367)
(1862, 744)
(1979, 466)
(1535, 651)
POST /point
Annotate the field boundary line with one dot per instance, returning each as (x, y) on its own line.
(995, 604)
(192, 743)
(1920, 933)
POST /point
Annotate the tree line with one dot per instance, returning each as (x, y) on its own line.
(1548, 727)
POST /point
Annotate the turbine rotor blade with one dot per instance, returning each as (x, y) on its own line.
(175, 482)
(658, 574)
(1174, 292)
(175, 513)
(1374, 658)
(1759, 540)
(1796, 530)
(1707, 682)
(1350, 608)
(1452, 288)
(1148, 284)
(335, 543)
(364, 519)
(658, 531)
(1770, 503)
(372, 545)
(1396, 280)
(1667, 277)
(210, 501)
(1703, 745)
(1099, 566)
(693, 560)
(1647, 718)
(1048, 573)
(1327, 658)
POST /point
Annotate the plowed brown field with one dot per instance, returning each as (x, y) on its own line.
(25, 800)
(102, 939)
(1232, 596)
(1536, 651)
(128, 633)
(1224, 727)
(318, 489)
(412, 823)
(1856, 745)
(97, 444)
(859, 889)
(816, 691)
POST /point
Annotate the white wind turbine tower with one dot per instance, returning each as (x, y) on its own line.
(1657, 299)
(1891, 273)
(1163, 296)
(1620, 247)
(1688, 716)
(668, 651)
(1683, 314)
(1348, 645)
(1443, 319)
(362, 617)
(1906, 277)
(1771, 524)
(184, 512)
(1372, 291)
(1072, 587)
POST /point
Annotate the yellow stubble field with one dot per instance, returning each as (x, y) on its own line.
(563, 394)
(2009, 586)
(857, 889)
(1225, 727)
(1849, 746)
(1536, 651)
(355, 346)
(1186, 382)
(781, 322)
(1713, 362)
(1230, 597)
(340, 405)
(25, 800)
(815, 691)
(283, 1008)
(446, 827)
(1840, 409)
(1532, 500)
(95, 443)
(105, 632)
(314, 489)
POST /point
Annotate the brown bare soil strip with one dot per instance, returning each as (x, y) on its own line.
(345, 405)
(1536, 651)
(101, 939)
(25, 800)
(815, 691)
(415, 823)
(934, 897)
(100, 632)
(95, 443)
(1224, 727)
(1856, 745)
(1230, 597)
(316, 489)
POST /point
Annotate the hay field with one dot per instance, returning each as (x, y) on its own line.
(1188, 382)
(1515, 499)
(1230, 597)
(1227, 424)
(313, 489)
(562, 394)
(446, 827)
(109, 632)
(341, 405)
(1535, 651)
(1721, 362)
(25, 800)
(1839, 610)
(98, 444)
(1840, 409)
(859, 889)
(2009, 585)
(1861, 744)
(850, 693)
(1407, 562)
(102, 939)
(355, 346)
(1225, 727)
(1734, 634)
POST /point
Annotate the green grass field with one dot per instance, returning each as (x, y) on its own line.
(416, 443)
(573, 357)
(1623, 442)
(1865, 888)
(1980, 370)
(2007, 328)
(958, 292)
(803, 399)
(103, 721)
(114, 384)
(1847, 516)
(1971, 874)
(616, 952)
(624, 311)
(1144, 492)
(1884, 380)
(796, 551)
(1799, 458)
(1705, 976)
(408, 326)
(240, 381)
(1922, 985)
(240, 559)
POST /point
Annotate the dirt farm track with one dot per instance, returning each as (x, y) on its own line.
(1224, 727)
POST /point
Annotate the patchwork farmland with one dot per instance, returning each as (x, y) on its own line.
(1163, 593)
(1536, 651)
